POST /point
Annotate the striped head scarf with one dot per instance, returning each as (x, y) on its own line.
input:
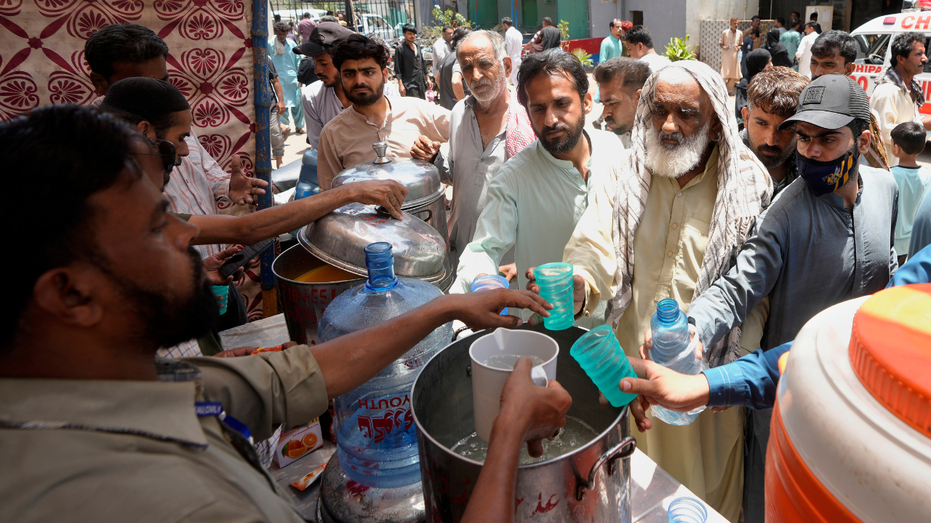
(744, 191)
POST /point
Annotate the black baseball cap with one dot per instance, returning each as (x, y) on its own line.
(322, 39)
(831, 102)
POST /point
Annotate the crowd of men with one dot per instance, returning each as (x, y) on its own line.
(752, 231)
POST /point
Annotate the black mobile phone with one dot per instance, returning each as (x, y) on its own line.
(241, 258)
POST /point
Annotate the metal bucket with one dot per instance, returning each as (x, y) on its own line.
(303, 303)
(434, 213)
(590, 484)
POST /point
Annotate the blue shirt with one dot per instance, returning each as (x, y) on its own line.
(916, 270)
(610, 48)
(921, 226)
(912, 182)
(751, 381)
(748, 382)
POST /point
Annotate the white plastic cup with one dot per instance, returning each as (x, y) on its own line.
(488, 382)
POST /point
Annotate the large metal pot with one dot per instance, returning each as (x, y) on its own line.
(340, 238)
(590, 484)
(303, 303)
(426, 193)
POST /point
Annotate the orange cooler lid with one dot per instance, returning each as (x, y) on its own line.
(890, 351)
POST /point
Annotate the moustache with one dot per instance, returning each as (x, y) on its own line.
(554, 128)
(769, 149)
(670, 136)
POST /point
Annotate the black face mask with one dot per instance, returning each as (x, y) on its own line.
(825, 177)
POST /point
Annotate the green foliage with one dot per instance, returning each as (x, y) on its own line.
(583, 57)
(679, 49)
(563, 29)
(447, 17)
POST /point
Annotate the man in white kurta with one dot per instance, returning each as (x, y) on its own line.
(730, 46)
(514, 44)
(663, 224)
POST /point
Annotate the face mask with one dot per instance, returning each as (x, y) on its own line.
(825, 177)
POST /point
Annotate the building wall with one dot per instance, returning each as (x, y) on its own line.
(600, 15)
(698, 10)
(664, 18)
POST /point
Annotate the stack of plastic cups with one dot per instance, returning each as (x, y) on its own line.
(490, 282)
(555, 282)
(687, 510)
(601, 357)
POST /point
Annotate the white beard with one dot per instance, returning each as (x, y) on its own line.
(672, 161)
(279, 47)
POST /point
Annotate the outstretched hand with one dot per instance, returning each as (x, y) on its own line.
(482, 310)
(243, 187)
(536, 412)
(658, 385)
(425, 149)
(578, 292)
(385, 193)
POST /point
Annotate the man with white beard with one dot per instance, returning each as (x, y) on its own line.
(675, 209)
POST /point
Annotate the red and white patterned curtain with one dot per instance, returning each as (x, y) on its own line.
(210, 60)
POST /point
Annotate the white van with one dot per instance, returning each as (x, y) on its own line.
(874, 53)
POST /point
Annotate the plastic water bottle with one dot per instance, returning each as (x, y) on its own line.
(303, 190)
(671, 349)
(602, 358)
(375, 431)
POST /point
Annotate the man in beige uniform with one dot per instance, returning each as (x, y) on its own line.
(678, 205)
(92, 427)
(347, 139)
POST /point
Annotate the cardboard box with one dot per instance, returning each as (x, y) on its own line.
(298, 443)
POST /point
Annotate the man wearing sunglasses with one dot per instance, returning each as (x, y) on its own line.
(159, 111)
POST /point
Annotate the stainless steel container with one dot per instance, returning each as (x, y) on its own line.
(426, 193)
(339, 238)
(303, 303)
(345, 501)
(590, 484)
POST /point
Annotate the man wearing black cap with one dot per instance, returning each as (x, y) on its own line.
(827, 238)
(323, 99)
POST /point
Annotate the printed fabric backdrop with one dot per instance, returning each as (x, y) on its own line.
(210, 60)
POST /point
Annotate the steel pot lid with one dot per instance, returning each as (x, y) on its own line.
(339, 238)
(421, 178)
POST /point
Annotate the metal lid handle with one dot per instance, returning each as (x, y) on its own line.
(381, 149)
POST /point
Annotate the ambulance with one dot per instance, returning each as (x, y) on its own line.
(873, 55)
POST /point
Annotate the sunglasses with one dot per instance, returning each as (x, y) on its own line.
(168, 154)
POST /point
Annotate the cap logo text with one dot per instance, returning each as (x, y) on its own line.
(814, 95)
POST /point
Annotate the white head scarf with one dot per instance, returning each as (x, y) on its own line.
(744, 190)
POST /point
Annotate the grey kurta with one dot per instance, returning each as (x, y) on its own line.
(807, 253)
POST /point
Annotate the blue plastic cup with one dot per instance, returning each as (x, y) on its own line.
(602, 358)
(222, 294)
(687, 510)
(490, 282)
(555, 282)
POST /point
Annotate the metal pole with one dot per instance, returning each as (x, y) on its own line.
(263, 163)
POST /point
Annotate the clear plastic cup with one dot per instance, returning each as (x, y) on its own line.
(601, 357)
(687, 510)
(490, 282)
(555, 282)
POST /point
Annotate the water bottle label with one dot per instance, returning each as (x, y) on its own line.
(379, 417)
